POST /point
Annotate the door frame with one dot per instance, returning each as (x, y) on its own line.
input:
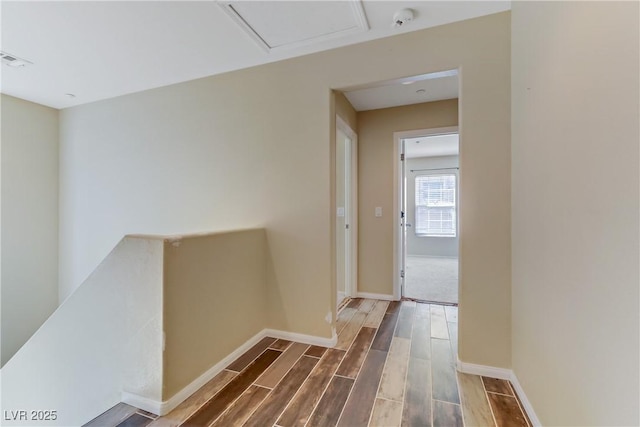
(399, 242)
(351, 208)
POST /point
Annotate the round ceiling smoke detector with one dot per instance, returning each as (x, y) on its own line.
(402, 17)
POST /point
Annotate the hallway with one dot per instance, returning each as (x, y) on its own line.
(394, 364)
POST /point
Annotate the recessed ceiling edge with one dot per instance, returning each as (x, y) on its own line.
(356, 8)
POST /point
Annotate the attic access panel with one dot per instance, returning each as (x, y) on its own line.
(287, 24)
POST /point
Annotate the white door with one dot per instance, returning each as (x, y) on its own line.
(346, 196)
(403, 219)
(342, 215)
(401, 239)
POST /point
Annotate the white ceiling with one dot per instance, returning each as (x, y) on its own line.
(410, 90)
(431, 146)
(276, 25)
(102, 49)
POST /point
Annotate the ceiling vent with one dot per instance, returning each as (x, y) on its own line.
(13, 61)
(277, 25)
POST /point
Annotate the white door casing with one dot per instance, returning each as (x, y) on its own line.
(399, 201)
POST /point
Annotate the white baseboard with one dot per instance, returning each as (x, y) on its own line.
(370, 295)
(504, 374)
(433, 256)
(163, 408)
(305, 339)
(525, 401)
(485, 371)
(149, 405)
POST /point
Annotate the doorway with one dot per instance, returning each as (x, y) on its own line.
(346, 210)
(427, 196)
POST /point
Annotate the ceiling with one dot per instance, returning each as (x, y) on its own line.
(406, 91)
(431, 146)
(95, 50)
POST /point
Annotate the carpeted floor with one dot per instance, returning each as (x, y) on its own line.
(431, 279)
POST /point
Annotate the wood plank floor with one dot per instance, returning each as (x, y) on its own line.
(394, 365)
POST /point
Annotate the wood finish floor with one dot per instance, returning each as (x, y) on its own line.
(393, 365)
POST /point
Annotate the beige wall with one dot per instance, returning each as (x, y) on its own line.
(484, 224)
(575, 210)
(252, 148)
(345, 110)
(375, 177)
(29, 232)
(215, 299)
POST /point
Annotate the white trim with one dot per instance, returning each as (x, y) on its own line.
(485, 371)
(504, 374)
(303, 338)
(384, 297)
(344, 127)
(397, 191)
(163, 408)
(144, 403)
(425, 132)
(351, 284)
(527, 407)
(431, 256)
(353, 211)
(341, 297)
(397, 235)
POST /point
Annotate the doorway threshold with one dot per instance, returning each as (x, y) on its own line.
(422, 301)
(343, 304)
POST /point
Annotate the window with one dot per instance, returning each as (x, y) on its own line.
(436, 205)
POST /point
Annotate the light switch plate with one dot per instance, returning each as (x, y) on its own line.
(378, 211)
(340, 212)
